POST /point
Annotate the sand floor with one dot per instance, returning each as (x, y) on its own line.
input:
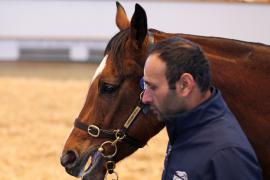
(39, 102)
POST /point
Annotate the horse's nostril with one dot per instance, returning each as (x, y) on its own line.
(68, 159)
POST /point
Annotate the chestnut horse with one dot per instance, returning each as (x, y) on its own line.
(111, 125)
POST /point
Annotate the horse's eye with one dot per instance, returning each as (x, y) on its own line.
(106, 88)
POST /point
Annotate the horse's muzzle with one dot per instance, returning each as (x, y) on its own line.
(69, 161)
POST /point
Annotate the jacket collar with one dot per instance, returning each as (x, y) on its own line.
(204, 113)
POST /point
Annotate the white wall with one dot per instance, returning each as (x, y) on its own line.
(96, 20)
(9, 50)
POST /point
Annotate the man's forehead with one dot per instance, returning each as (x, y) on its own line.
(154, 64)
(154, 69)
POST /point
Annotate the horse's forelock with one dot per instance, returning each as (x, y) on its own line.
(120, 49)
(116, 47)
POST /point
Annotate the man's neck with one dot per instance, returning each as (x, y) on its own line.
(197, 97)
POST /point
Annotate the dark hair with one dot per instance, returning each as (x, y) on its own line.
(183, 56)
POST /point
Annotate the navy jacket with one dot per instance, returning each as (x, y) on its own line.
(207, 143)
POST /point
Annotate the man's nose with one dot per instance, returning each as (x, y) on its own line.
(147, 97)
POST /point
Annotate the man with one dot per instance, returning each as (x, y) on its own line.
(205, 140)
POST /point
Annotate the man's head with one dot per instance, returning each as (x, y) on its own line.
(177, 75)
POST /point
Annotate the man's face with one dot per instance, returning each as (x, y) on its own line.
(163, 101)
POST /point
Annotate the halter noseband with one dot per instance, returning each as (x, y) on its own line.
(97, 132)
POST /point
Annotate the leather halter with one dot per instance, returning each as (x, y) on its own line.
(98, 132)
(118, 135)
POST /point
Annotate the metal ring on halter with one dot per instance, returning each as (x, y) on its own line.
(112, 144)
(119, 135)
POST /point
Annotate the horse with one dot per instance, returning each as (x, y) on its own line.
(113, 122)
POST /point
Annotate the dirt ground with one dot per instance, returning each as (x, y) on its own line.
(39, 102)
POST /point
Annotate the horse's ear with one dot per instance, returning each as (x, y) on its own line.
(138, 25)
(122, 21)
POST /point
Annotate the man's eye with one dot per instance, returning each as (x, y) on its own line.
(149, 87)
(106, 88)
(145, 86)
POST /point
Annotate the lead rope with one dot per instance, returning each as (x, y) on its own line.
(110, 165)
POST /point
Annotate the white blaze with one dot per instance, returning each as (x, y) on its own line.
(100, 68)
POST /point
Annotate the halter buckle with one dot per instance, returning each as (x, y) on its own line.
(93, 130)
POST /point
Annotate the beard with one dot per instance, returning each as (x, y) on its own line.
(162, 117)
(154, 110)
(165, 115)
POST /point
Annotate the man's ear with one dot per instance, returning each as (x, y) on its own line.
(185, 84)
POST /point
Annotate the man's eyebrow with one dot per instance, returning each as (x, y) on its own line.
(147, 82)
(150, 84)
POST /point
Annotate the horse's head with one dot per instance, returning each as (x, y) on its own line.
(110, 125)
